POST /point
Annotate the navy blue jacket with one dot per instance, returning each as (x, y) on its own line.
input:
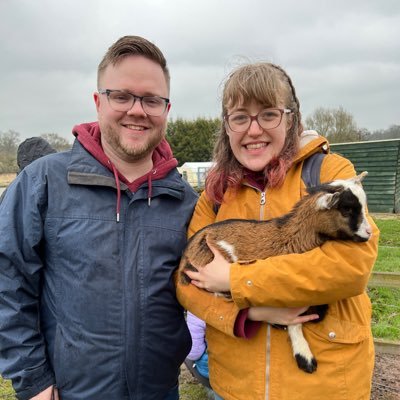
(86, 302)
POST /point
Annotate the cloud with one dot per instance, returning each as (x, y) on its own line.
(338, 53)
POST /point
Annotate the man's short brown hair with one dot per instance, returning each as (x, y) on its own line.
(132, 46)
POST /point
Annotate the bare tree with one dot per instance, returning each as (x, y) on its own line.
(337, 125)
(8, 151)
(56, 141)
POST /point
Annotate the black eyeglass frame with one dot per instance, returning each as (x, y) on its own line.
(135, 97)
(255, 118)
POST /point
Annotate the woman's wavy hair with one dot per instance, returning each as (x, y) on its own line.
(269, 85)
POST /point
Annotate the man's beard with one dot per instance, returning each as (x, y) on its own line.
(133, 152)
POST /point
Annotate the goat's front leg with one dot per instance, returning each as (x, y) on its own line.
(301, 350)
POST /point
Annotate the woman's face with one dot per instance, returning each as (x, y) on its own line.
(256, 147)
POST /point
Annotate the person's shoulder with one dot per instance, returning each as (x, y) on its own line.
(49, 165)
(335, 166)
(52, 159)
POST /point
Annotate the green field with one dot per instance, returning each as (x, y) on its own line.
(385, 302)
(389, 245)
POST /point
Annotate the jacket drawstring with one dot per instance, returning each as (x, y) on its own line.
(118, 188)
(149, 191)
(150, 186)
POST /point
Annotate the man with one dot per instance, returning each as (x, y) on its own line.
(90, 240)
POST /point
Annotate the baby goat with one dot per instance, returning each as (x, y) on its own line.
(334, 210)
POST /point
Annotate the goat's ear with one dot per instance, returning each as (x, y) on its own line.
(328, 201)
(359, 178)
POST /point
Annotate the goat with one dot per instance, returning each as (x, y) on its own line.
(335, 210)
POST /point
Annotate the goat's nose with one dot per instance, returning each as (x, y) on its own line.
(368, 229)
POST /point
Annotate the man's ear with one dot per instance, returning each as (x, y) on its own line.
(96, 98)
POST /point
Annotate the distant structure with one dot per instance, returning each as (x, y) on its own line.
(195, 172)
(381, 158)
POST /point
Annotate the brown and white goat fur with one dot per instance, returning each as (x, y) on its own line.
(335, 210)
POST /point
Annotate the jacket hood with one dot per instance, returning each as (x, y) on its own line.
(89, 135)
(311, 142)
(31, 149)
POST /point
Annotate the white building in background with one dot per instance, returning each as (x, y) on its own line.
(195, 172)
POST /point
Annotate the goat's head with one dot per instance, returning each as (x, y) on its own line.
(345, 201)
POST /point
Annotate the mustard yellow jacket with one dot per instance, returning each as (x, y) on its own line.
(335, 273)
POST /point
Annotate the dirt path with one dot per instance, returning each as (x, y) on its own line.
(386, 381)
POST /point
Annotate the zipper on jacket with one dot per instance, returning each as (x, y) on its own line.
(267, 361)
(262, 204)
(263, 200)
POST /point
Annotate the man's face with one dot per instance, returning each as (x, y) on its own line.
(132, 135)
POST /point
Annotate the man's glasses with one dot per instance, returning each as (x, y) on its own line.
(124, 101)
(269, 118)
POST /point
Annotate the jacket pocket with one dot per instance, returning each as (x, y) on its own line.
(62, 366)
(347, 321)
(334, 330)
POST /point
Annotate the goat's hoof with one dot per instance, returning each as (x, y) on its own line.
(306, 365)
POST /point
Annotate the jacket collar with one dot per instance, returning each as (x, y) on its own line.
(84, 169)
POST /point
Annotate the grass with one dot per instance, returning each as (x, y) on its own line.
(192, 391)
(390, 232)
(6, 391)
(389, 245)
(6, 179)
(385, 301)
(386, 313)
(388, 259)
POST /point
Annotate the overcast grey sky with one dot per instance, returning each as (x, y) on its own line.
(338, 53)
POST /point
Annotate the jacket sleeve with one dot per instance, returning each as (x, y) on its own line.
(215, 311)
(332, 272)
(197, 329)
(22, 348)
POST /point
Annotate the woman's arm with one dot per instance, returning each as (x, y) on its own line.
(197, 329)
(332, 272)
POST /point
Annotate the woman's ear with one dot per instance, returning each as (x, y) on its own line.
(289, 121)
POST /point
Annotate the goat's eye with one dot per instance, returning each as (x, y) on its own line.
(346, 211)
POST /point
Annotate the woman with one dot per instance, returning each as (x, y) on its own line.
(258, 157)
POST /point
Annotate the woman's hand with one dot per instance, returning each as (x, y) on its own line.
(213, 277)
(281, 316)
